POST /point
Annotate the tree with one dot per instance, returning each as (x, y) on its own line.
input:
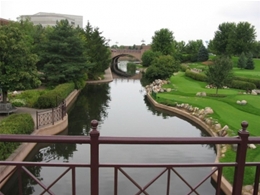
(203, 54)
(233, 39)
(97, 50)
(244, 38)
(242, 61)
(250, 62)
(162, 67)
(220, 72)
(222, 40)
(162, 41)
(192, 48)
(148, 56)
(17, 62)
(65, 56)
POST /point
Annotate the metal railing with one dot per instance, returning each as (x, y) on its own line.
(47, 117)
(95, 140)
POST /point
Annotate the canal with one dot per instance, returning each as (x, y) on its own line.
(122, 109)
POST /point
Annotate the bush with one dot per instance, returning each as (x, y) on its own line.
(26, 98)
(242, 85)
(14, 124)
(196, 76)
(251, 80)
(184, 67)
(54, 97)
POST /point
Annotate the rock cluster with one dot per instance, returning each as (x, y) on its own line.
(201, 94)
(242, 102)
(156, 86)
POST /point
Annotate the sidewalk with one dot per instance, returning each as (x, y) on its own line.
(107, 78)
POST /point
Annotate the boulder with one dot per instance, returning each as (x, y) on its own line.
(203, 94)
(238, 102)
(251, 146)
(208, 110)
(243, 102)
(253, 92)
(198, 94)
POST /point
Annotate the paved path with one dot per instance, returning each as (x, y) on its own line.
(107, 78)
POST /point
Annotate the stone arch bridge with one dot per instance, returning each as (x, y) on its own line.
(117, 53)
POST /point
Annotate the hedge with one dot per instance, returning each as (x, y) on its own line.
(184, 67)
(251, 80)
(196, 76)
(55, 96)
(237, 84)
(14, 124)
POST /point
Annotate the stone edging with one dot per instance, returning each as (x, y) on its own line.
(225, 185)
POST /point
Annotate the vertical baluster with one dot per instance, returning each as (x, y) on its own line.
(94, 163)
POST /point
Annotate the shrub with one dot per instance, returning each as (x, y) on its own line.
(196, 76)
(54, 97)
(242, 85)
(184, 67)
(251, 80)
(14, 124)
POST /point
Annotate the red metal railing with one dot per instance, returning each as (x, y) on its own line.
(242, 141)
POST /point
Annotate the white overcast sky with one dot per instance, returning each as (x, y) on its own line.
(127, 22)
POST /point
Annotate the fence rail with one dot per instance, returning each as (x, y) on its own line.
(47, 117)
(94, 140)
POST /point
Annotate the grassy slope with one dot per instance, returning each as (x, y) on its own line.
(226, 111)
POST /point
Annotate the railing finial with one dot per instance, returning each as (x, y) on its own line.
(94, 124)
(244, 125)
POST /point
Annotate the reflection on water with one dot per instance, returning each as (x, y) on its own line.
(122, 109)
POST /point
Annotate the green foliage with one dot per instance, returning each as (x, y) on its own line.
(196, 76)
(64, 54)
(148, 56)
(53, 97)
(14, 124)
(162, 68)
(192, 49)
(233, 39)
(249, 62)
(17, 62)
(26, 98)
(248, 79)
(97, 50)
(242, 61)
(162, 42)
(242, 85)
(219, 73)
(131, 68)
(184, 67)
(203, 54)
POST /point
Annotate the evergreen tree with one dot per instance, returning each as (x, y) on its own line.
(97, 50)
(249, 62)
(65, 56)
(203, 54)
(242, 61)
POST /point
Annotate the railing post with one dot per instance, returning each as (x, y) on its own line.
(94, 162)
(240, 159)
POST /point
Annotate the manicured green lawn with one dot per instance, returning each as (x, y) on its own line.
(226, 110)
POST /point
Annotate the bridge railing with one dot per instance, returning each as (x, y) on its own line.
(95, 140)
(126, 51)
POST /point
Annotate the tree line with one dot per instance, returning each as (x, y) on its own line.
(32, 55)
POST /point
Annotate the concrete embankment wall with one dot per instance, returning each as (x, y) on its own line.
(25, 148)
(225, 185)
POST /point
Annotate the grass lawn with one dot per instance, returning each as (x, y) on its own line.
(226, 110)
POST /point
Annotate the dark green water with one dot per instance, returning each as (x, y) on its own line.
(122, 109)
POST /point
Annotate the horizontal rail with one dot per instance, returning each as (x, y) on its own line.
(123, 140)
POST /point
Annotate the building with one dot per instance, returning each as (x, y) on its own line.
(50, 19)
(4, 21)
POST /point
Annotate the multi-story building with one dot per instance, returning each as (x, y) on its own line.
(50, 19)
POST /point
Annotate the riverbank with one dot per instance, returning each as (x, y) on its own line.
(25, 148)
(225, 185)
